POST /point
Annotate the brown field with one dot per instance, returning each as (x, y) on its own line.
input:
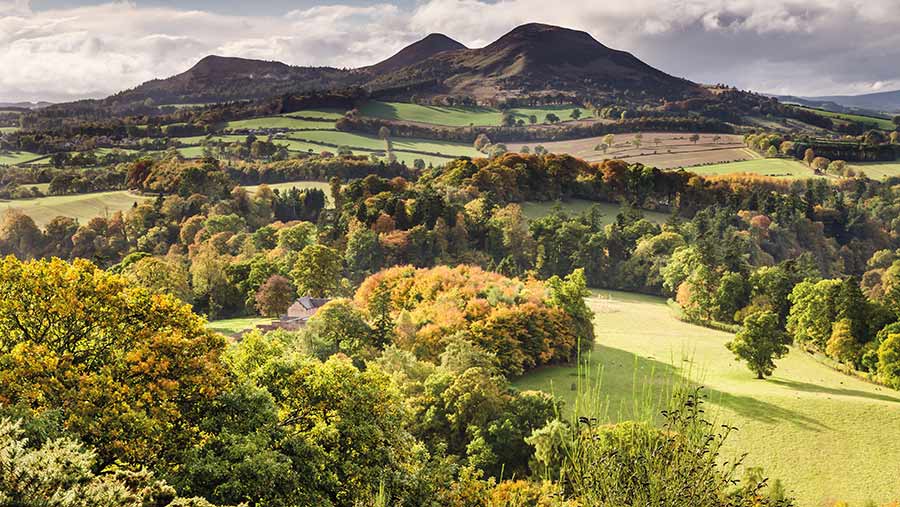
(665, 150)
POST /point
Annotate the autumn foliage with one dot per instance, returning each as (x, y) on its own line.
(511, 318)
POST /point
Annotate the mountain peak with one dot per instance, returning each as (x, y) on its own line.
(418, 51)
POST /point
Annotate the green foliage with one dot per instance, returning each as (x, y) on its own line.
(317, 271)
(759, 342)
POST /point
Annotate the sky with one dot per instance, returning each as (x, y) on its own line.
(61, 50)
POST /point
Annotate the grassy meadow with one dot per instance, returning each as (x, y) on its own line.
(777, 167)
(881, 123)
(8, 130)
(462, 116)
(82, 207)
(819, 431)
(231, 327)
(19, 157)
(877, 170)
(319, 114)
(279, 122)
(535, 210)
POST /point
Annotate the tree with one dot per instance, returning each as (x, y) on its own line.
(317, 271)
(889, 361)
(19, 235)
(808, 156)
(126, 371)
(576, 113)
(481, 141)
(384, 133)
(842, 345)
(274, 296)
(162, 276)
(551, 118)
(609, 140)
(896, 120)
(760, 342)
(60, 472)
(895, 137)
(694, 138)
(820, 164)
(532, 119)
(296, 237)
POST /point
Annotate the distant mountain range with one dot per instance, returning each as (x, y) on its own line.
(25, 105)
(879, 103)
(532, 58)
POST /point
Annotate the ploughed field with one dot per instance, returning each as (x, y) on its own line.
(659, 149)
(819, 431)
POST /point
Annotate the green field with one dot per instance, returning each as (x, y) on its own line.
(18, 157)
(322, 114)
(7, 130)
(778, 167)
(877, 170)
(279, 122)
(461, 116)
(367, 142)
(236, 326)
(881, 123)
(81, 206)
(824, 434)
(191, 140)
(438, 115)
(534, 210)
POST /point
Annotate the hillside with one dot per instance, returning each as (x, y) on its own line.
(536, 58)
(217, 78)
(415, 53)
(532, 58)
(881, 102)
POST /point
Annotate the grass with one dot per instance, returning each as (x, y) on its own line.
(367, 142)
(462, 116)
(824, 434)
(778, 167)
(18, 157)
(534, 210)
(279, 122)
(881, 123)
(437, 115)
(8, 130)
(322, 114)
(236, 326)
(877, 170)
(82, 207)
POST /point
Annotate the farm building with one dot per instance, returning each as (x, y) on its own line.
(297, 314)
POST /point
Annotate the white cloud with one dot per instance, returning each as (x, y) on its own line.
(795, 46)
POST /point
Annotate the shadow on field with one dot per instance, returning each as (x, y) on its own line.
(627, 374)
(813, 388)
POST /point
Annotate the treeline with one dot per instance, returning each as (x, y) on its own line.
(353, 122)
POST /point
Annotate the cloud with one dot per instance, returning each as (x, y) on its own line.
(783, 46)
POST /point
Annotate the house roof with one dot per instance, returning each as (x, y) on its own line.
(310, 303)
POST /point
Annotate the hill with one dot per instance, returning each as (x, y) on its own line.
(415, 53)
(218, 79)
(881, 102)
(531, 59)
(536, 58)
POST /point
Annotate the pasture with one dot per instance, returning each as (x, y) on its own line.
(279, 122)
(877, 170)
(318, 114)
(330, 140)
(811, 426)
(236, 326)
(534, 210)
(775, 167)
(657, 149)
(82, 207)
(8, 130)
(463, 116)
(19, 157)
(880, 123)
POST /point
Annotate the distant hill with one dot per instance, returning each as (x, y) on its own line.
(881, 102)
(218, 79)
(538, 58)
(25, 105)
(532, 58)
(415, 53)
